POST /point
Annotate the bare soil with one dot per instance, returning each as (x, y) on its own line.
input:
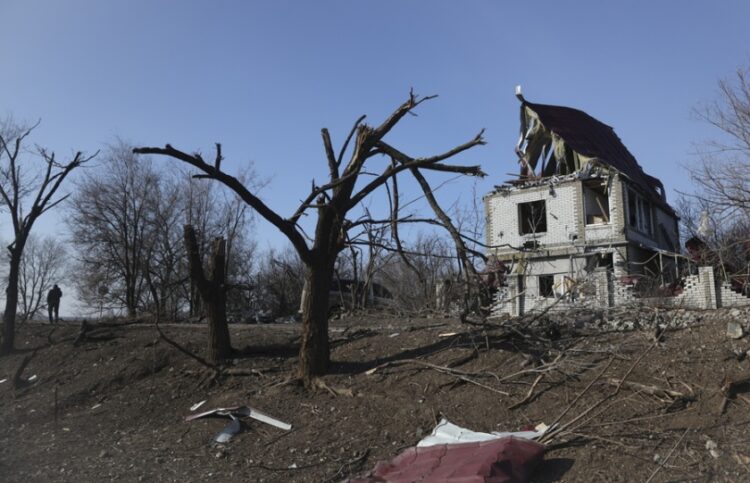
(113, 407)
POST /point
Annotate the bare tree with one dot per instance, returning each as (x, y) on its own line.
(358, 266)
(719, 210)
(213, 291)
(332, 202)
(126, 221)
(27, 195)
(414, 273)
(213, 214)
(723, 175)
(42, 265)
(112, 219)
(277, 284)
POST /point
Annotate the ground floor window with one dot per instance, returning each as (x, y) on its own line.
(546, 285)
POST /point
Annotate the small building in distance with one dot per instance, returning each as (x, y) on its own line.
(583, 224)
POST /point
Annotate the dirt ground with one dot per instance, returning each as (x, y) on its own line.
(113, 407)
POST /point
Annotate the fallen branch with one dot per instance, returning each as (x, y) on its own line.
(536, 382)
(351, 466)
(624, 378)
(631, 420)
(555, 431)
(461, 375)
(236, 371)
(319, 383)
(182, 349)
(666, 458)
(528, 394)
(652, 390)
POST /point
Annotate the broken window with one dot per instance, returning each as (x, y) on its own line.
(644, 212)
(632, 209)
(546, 286)
(639, 213)
(595, 203)
(532, 217)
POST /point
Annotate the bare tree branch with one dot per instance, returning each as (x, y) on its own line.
(285, 226)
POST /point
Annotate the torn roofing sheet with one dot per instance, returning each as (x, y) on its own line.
(453, 454)
(503, 460)
(550, 133)
(448, 433)
(242, 411)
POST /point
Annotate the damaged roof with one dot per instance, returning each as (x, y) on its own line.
(586, 136)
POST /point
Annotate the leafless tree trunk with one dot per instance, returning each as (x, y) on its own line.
(20, 189)
(212, 289)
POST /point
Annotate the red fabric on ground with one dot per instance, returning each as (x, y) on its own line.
(504, 460)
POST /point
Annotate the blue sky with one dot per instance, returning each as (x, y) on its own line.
(264, 77)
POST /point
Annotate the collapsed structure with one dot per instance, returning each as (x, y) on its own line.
(583, 224)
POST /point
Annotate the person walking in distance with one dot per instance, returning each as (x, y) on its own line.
(53, 303)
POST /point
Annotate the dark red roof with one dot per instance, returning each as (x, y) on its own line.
(591, 137)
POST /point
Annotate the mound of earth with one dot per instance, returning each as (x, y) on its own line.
(627, 406)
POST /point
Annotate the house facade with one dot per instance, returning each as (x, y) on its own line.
(583, 224)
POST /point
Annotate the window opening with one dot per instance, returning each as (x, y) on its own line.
(546, 286)
(532, 217)
(596, 204)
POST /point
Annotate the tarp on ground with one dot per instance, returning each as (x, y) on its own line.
(487, 458)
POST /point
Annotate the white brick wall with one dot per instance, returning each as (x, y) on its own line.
(696, 293)
(592, 293)
(601, 232)
(730, 298)
(562, 215)
(700, 292)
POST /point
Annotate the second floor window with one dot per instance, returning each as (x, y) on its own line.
(532, 217)
(639, 213)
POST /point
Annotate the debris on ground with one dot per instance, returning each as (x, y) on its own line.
(448, 433)
(455, 454)
(712, 448)
(613, 399)
(231, 429)
(235, 425)
(239, 412)
(734, 330)
(197, 405)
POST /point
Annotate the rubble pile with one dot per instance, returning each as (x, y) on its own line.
(648, 318)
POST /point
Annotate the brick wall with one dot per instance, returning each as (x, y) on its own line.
(729, 298)
(592, 292)
(701, 291)
(562, 215)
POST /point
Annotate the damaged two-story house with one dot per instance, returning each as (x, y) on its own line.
(583, 222)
